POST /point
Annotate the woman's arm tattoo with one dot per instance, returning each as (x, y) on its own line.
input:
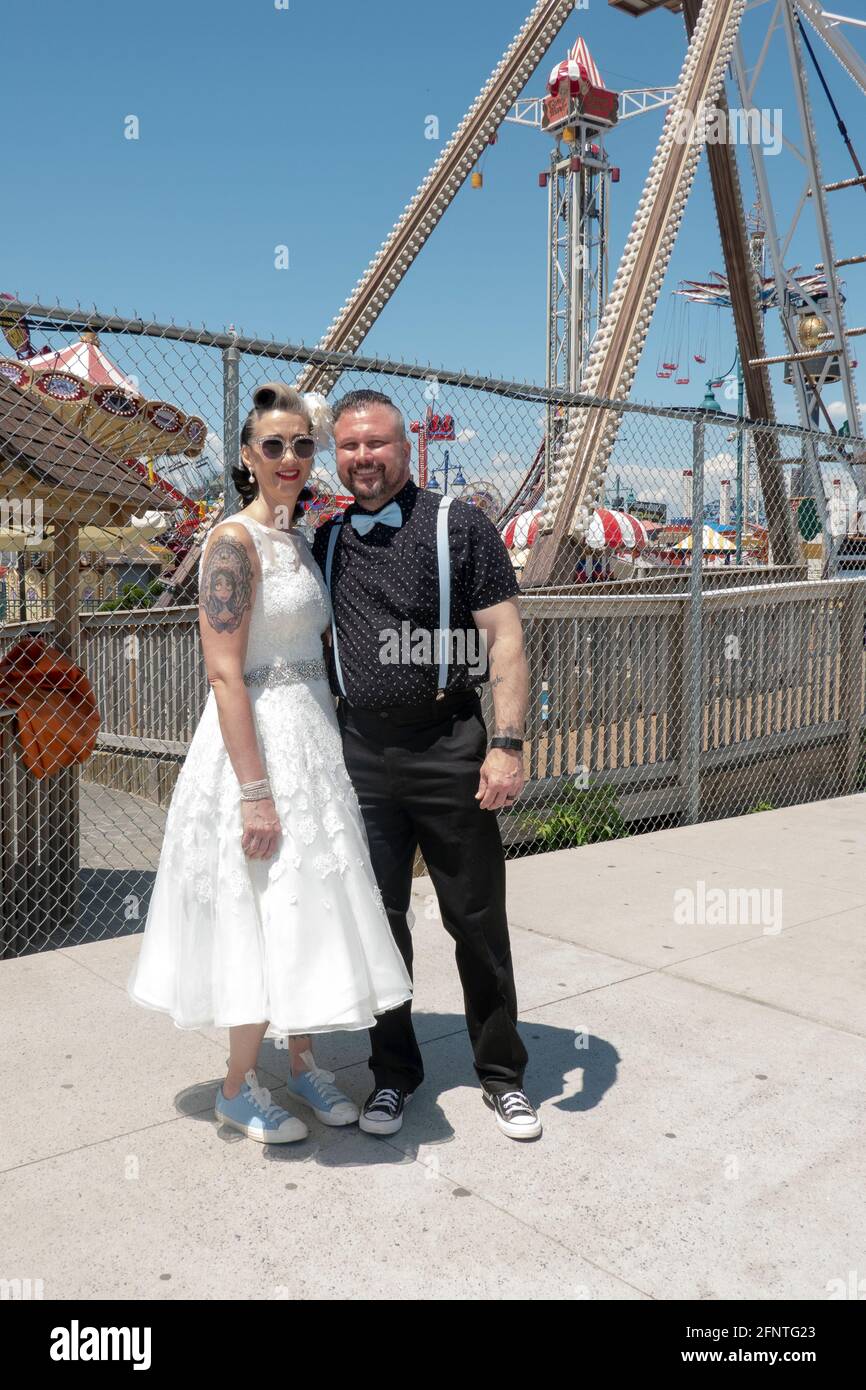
(226, 584)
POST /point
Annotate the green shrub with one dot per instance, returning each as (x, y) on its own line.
(581, 817)
(133, 596)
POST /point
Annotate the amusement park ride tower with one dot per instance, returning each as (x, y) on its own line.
(578, 111)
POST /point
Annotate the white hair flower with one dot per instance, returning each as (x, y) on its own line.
(321, 419)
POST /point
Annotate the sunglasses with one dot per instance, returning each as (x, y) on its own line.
(273, 447)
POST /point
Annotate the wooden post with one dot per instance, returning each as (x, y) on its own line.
(66, 625)
(678, 694)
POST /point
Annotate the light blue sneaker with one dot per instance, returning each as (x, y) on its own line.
(315, 1088)
(253, 1112)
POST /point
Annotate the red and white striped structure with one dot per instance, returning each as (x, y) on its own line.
(85, 360)
(521, 530)
(580, 69)
(608, 530)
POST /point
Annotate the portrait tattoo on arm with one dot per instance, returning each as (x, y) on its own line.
(226, 584)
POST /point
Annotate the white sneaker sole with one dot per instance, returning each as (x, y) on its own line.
(263, 1138)
(384, 1126)
(514, 1131)
(324, 1116)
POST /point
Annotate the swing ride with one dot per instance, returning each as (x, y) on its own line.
(86, 391)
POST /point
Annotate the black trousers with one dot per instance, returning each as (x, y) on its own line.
(416, 785)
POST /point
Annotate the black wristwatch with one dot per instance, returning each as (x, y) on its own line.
(502, 741)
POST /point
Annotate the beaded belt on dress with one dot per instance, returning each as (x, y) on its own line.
(287, 672)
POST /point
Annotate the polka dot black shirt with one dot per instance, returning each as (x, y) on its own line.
(385, 593)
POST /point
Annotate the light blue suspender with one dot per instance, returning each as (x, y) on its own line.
(329, 559)
(443, 555)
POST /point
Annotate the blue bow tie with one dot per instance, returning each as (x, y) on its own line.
(365, 521)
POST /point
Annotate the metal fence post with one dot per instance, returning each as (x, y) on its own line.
(693, 684)
(231, 426)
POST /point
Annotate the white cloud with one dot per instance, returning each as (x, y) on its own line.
(838, 412)
(213, 448)
(464, 436)
(503, 459)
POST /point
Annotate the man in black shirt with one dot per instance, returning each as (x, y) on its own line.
(423, 595)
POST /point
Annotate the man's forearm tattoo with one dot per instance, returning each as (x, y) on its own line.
(226, 584)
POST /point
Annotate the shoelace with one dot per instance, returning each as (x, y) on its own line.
(323, 1082)
(386, 1099)
(261, 1097)
(515, 1103)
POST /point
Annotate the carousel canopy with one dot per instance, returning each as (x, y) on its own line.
(85, 360)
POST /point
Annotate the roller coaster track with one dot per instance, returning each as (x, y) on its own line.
(433, 197)
(435, 194)
(578, 473)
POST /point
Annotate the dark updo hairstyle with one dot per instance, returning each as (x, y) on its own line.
(274, 395)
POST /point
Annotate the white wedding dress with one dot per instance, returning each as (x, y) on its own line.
(301, 939)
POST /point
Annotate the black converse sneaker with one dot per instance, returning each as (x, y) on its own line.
(383, 1110)
(514, 1114)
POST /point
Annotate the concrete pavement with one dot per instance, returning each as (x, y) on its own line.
(693, 1005)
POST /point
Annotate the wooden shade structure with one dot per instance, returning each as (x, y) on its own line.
(44, 461)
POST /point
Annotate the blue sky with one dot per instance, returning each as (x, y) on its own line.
(305, 127)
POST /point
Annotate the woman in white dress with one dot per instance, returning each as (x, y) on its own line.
(265, 916)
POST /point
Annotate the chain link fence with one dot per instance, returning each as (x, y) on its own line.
(689, 662)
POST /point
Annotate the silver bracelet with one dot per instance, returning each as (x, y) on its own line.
(256, 791)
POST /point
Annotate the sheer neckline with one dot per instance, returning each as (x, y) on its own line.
(274, 530)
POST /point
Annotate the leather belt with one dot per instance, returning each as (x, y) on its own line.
(431, 709)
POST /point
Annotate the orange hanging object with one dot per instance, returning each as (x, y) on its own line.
(58, 717)
(477, 179)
